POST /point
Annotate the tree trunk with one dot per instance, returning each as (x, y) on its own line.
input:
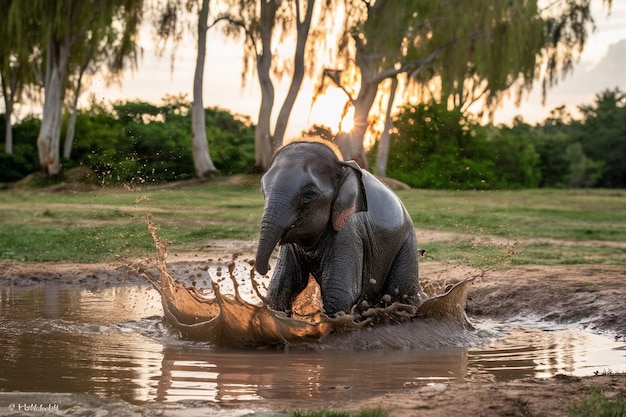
(71, 126)
(8, 128)
(50, 132)
(71, 129)
(351, 143)
(262, 134)
(9, 92)
(298, 74)
(202, 161)
(383, 145)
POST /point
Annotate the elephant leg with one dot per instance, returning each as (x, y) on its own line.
(342, 273)
(288, 280)
(402, 283)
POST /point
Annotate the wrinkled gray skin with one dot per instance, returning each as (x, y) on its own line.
(339, 224)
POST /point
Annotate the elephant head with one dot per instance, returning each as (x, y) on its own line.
(308, 189)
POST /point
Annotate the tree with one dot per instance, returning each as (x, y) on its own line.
(102, 52)
(584, 172)
(602, 136)
(201, 158)
(71, 125)
(10, 76)
(383, 144)
(168, 28)
(259, 21)
(469, 49)
(434, 147)
(62, 26)
(15, 73)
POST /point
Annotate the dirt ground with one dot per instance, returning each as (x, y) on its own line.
(591, 295)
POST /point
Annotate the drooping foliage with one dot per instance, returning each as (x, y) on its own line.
(55, 35)
(454, 52)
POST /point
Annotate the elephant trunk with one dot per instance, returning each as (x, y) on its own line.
(274, 223)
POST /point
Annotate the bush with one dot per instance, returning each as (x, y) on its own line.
(437, 148)
(231, 141)
(140, 142)
(24, 159)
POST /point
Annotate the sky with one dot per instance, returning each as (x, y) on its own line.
(602, 65)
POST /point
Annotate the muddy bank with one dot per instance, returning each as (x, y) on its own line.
(592, 295)
(527, 397)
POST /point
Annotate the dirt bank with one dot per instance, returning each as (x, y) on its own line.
(524, 398)
(592, 295)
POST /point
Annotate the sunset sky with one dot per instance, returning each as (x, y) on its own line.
(223, 87)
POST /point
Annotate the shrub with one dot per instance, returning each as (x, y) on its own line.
(24, 159)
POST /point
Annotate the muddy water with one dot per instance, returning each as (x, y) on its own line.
(111, 342)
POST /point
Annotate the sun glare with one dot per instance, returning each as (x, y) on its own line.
(328, 110)
(347, 122)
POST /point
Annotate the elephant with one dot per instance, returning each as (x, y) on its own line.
(338, 223)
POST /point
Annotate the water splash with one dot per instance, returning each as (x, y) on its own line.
(226, 319)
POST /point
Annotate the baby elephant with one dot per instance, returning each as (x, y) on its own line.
(338, 223)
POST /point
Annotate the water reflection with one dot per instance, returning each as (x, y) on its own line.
(66, 340)
(223, 376)
(533, 352)
(111, 343)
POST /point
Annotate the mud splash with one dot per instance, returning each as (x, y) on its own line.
(224, 318)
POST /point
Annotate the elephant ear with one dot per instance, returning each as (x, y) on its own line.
(351, 196)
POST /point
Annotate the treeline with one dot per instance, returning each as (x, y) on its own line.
(436, 148)
(136, 142)
(432, 147)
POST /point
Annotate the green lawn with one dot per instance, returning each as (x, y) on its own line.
(547, 226)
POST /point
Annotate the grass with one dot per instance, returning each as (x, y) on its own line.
(596, 404)
(546, 226)
(559, 214)
(543, 227)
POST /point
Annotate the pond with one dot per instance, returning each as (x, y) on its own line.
(110, 342)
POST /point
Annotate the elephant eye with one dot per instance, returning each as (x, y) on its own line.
(308, 196)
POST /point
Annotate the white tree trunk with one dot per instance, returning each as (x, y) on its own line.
(383, 145)
(8, 130)
(262, 134)
(54, 85)
(71, 125)
(8, 92)
(298, 74)
(264, 150)
(202, 161)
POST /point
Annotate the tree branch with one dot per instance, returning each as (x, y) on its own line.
(335, 76)
(238, 23)
(413, 67)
